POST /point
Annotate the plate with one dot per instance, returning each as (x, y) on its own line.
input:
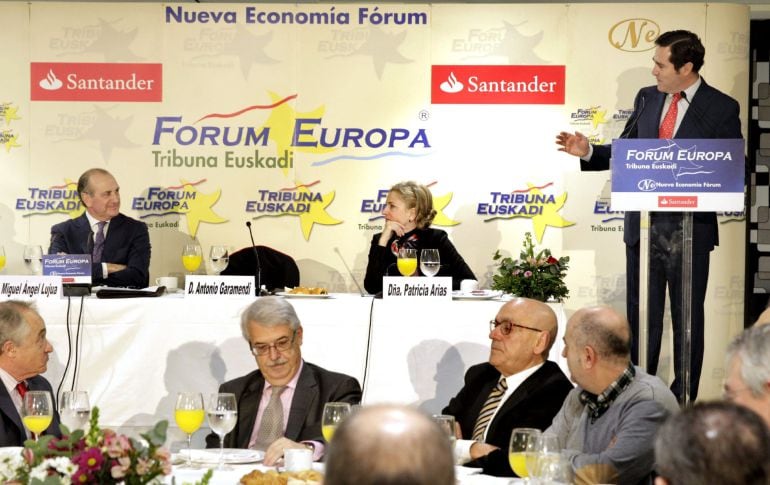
(286, 294)
(483, 295)
(232, 456)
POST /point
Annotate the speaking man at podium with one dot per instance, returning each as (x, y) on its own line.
(680, 105)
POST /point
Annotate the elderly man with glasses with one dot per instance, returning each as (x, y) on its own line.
(517, 388)
(281, 404)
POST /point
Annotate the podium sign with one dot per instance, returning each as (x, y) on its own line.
(686, 175)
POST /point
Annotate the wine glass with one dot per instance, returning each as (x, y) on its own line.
(188, 414)
(219, 257)
(522, 445)
(430, 262)
(407, 261)
(545, 453)
(37, 411)
(33, 258)
(74, 409)
(192, 257)
(334, 414)
(2, 258)
(447, 425)
(223, 414)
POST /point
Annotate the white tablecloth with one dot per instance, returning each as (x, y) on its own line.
(136, 354)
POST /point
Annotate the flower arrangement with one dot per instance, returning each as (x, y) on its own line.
(538, 276)
(100, 456)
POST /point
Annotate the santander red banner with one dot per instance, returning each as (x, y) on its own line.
(460, 84)
(96, 81)
(678, 201)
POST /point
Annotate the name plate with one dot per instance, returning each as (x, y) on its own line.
(72, 268)
(201, 286)
(17, 287)
(417, 287)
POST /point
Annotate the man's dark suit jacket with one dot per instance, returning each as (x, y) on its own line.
(532, 405)
(11, 428)
(316, 386)
(127, 242)
(711, 114)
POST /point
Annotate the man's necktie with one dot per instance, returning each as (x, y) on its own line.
(21, 387)
(271, 427)
(493, 401)
(669, 121)
(96, 255)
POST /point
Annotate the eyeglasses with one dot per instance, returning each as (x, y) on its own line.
(506, 327)
(281, 345)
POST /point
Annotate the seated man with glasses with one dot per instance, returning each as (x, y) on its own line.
(517, 388)
(281, 404)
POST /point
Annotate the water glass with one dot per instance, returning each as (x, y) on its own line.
(33, 259)
(223, 415)
(74, 409)
(447, 425)
(430, 262)
(219, 257)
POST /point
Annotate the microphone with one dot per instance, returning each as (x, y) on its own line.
(630, 126)
(360, 290)
(699, 116)
(258, 289)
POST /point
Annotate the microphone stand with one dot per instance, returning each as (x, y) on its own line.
(258, 289)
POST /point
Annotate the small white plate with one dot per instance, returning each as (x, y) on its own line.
(286, 294)
(233, 456)
(478, 295)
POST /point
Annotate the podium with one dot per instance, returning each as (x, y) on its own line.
(667, 177)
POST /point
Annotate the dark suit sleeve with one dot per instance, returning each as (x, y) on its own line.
(58, 242)
(137, 261)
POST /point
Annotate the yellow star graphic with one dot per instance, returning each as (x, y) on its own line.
(199, 208)
(598, 117)
(10, 142)
(439, 203)
(10, 114)
(281, 124)
(316, 214)
(549, 215)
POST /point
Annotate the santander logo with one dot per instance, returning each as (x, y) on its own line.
(96, 81)
(51, 82)
(501, 84)
(451, 85)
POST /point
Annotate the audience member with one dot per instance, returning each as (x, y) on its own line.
(607, 424)
(119, 246)
(280, 405)
(748, 371)
(408, 214)
(389, 445)
(24, 351)
(716, 443)
(517, 388)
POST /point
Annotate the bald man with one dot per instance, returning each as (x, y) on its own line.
(517, 388)
(607, 424)
(389, 444)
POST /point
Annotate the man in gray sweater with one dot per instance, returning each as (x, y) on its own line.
(607, 424)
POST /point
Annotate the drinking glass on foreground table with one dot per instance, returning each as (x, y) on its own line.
(37, 411)
(546, 464)
(223, 414)
(447, 425)
(334, 414)
(74, 409)
(188, 413)
(430, 262)
(521, 446)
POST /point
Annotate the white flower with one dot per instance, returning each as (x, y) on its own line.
(63, 466)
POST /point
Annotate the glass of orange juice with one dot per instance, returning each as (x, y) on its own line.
(37, 411)
(334, 413)
(2, 258)
(192, 256)
(189, 414)
(522, 445)
(407, 261)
